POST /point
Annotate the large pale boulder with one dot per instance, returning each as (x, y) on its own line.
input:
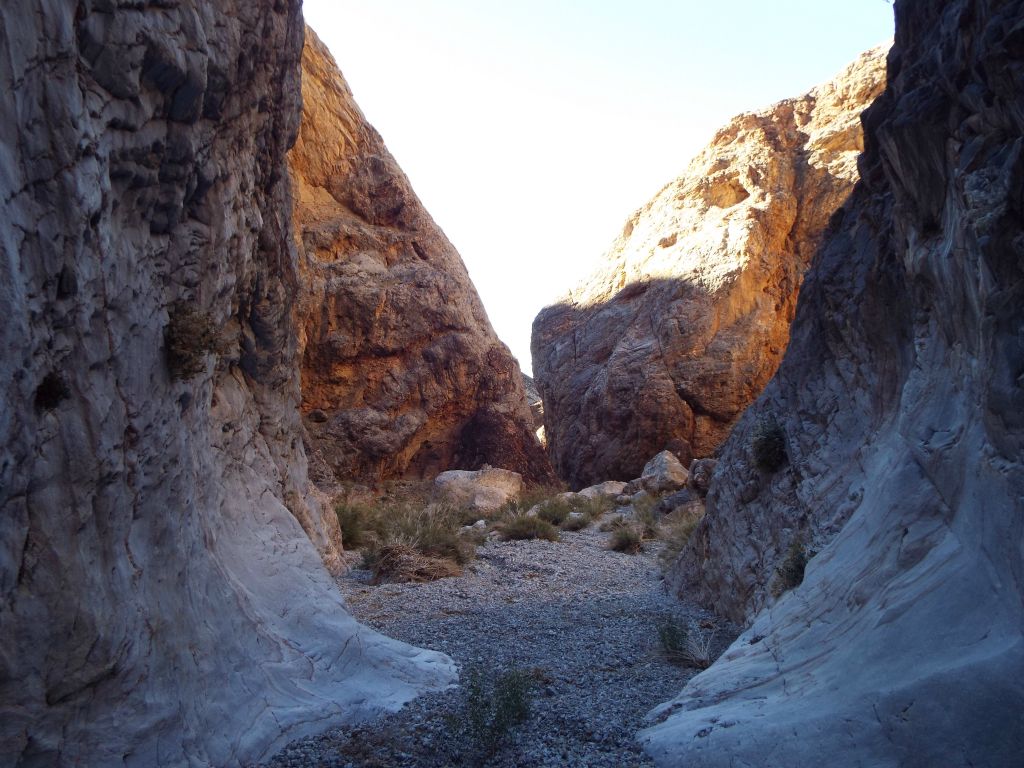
(161, 602)
(664, 472)
(901, 402)
(402, 374)
(688, 315)
(482, 490)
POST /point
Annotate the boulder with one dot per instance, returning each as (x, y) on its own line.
(674, 501)
(700, 474)
(663, 473)
(609, 489)
(402, 374)
(482, 490)
(901, 402)
(687, 316)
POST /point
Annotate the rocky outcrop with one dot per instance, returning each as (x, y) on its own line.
(901, 405)
(688, 316)
(402, 374)
(160, 602)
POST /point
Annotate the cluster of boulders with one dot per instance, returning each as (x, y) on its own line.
(664, 481)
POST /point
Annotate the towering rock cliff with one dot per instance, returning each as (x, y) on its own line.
(688, 316)
(901, 404)
(402, 374)
(160, 603)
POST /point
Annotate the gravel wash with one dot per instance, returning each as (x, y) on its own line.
(581, 619)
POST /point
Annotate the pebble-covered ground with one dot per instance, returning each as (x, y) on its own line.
(580, 621)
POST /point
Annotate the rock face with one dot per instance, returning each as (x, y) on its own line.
(160, 602)
(402, 374)
(901, 398)
(688, 316)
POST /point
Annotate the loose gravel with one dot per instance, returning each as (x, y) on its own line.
(581, 620)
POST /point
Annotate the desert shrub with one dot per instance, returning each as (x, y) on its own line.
(617, 522)
(575, 522)
(397, 561)
(191, 334)
(647, 523)
(555, 510)
(400, 540)
(768, 443)
(493, 705)
(689, 648)
(520, 527)
(676, 530)
(628, 539)
(790, 573)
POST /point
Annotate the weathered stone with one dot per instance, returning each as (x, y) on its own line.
(160, 602)
(701, 471)
(483, 490)
(674, 501)
(609, 489)
(687, 318)
(663, 473)
(902, 404)
(396, 348)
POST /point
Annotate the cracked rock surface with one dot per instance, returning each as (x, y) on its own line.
(161, 602)
(402, 373)
(901, 400)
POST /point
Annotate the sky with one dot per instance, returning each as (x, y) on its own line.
(532, 129)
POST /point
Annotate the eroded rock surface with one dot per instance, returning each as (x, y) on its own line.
(901, 398)
(688, 316)
(402, 374)
(160, 600)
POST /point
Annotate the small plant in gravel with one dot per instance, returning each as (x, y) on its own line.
(519, 527)
(768, 443)
(494, 704)
(791, 573)
(555, 511)
(617, 522)
(628, 539)
(689, 648)
(576, 522)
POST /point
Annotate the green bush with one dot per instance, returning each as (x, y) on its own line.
(191, 334)
(520, 527)
(685, 647)
(627, 539)
(575, 523)
(768, 442)
(791, 573)
(493, 705)
(555, 510)
(676, 529)
(404, 541)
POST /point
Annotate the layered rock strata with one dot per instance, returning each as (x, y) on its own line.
(160, 600)
(688, 315)
(901, 404)
(402, 374)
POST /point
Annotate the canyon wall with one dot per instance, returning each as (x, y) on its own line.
(402, 374)
(900, 402)
(160, 600)
(688, 315)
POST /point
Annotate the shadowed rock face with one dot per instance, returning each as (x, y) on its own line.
(160, 600)
(687, 318)
(901, 399)
(402, 374)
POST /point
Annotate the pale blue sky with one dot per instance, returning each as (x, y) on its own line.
(532, 129)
